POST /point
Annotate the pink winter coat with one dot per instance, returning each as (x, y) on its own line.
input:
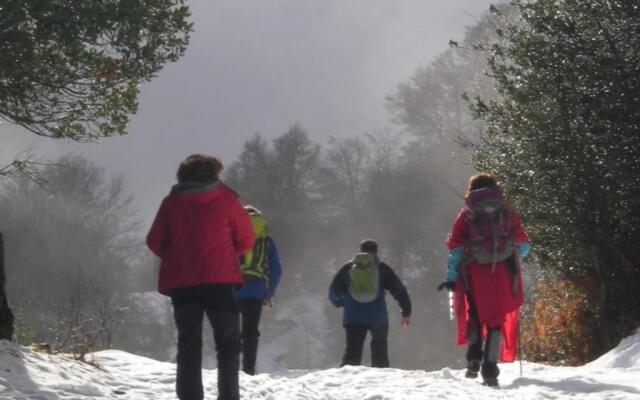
(199, 235)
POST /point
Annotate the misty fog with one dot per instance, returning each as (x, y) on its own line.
(369, 96)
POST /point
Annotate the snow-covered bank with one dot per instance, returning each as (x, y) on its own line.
(25, 374)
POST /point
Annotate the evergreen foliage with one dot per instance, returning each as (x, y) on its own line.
(73, 69)
(562, 135)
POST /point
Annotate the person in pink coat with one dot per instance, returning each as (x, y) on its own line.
(485, 244)
(199, 232)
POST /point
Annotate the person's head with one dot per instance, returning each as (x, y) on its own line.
(252, 210)
(369, 246)
(199, 168)
(481, 180)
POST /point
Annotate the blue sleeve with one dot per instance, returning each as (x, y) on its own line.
(455, 256)
(275, 269)
(523, 249)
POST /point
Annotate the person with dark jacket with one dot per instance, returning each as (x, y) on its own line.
(364, 312)
(199, 232)
(257, 292)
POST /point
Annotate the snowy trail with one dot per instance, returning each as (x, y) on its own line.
(25, 374)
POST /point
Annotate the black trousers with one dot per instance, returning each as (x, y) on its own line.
(475, 352)
(250, 310)
(356, 334)
(190, 304)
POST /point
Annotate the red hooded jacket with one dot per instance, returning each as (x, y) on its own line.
(199, 235)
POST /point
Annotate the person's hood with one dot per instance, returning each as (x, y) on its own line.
(196, 191)
(485, 197)
(374, 256)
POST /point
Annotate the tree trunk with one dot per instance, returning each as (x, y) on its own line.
(605, 319)
(6, 316)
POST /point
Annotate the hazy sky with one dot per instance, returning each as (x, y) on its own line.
(259, 66)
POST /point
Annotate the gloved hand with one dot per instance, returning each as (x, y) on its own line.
(523, 249)
(449, 285)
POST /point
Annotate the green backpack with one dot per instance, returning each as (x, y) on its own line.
(364, 282)
(253, 264)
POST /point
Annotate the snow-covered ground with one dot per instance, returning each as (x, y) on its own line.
(26, 374)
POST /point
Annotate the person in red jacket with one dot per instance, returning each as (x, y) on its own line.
(485, 243)
(199, 232)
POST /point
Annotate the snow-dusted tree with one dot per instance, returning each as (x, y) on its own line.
(251, 174)
(563, 137)
(74, 69)
(431, 106)
(70, 250)
(295, 163)
(280, 180)
(342, 181)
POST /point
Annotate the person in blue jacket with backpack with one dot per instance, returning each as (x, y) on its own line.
(261, 271)
(359, 288)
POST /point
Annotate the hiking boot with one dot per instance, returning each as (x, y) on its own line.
(490, 372)
(493, 382)
(473, 366)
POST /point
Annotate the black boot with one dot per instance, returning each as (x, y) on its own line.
(490, 372)
(473, 366)
(474, 338)
(249, 355)
(490, 369)
(474, 355)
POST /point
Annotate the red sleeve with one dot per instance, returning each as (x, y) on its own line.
(158, 236)
(520, 234)
(457, 236)
(241, 227)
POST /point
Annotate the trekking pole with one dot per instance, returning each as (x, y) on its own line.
(519, 346)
